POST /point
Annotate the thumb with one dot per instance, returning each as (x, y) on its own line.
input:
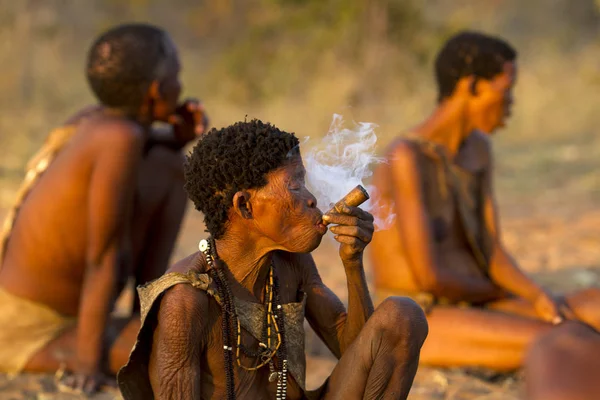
(175, 119)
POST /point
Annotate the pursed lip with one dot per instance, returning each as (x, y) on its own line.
(320, 225)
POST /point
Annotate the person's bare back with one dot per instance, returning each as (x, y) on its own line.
(102, 203)
(48, 252)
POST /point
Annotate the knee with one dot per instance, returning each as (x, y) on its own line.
(403, 320)
(552, 351)
(555, 364)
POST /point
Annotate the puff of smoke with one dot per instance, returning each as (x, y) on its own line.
(342, 160)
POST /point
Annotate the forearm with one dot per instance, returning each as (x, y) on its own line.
(506, 274)
(465, 288)
(436, 278)
(164, 137)
(360, 305)
(179, 384)
(95, 307)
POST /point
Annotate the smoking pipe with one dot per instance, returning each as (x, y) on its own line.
(354, 198)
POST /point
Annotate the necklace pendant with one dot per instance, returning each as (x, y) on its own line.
(273, 376)
(203, 245)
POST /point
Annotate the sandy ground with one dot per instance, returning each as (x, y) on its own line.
(562, 252)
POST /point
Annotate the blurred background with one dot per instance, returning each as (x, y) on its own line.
(296, 62)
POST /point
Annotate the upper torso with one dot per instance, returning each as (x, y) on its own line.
(447, 227)
(249, 384)
(45, 258)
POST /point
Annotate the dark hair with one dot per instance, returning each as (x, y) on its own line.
(470, 53)
(124, 61)
(231, 159)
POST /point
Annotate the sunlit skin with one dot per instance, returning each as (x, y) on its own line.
(564, 365)
(407, 258)
(105, 210)
(280, 223)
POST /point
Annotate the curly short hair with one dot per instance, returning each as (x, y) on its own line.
(123, 62)
(470, 53)
(231, 159)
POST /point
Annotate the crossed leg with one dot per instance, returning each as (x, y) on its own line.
(474, 337)
(498, 336)
(382, 361)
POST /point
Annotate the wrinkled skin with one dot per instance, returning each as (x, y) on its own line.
(280, 223)
(420, 254)
(115, 211)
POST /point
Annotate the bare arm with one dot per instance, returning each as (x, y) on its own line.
(179, 340)
(110, 199)
(163, 231)
(326, 313)
(188, 123)
(353, 229)
(412, 221)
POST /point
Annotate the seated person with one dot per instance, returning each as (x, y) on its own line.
(99, 205)
(445, 250)
(564, 364)
(227, 322)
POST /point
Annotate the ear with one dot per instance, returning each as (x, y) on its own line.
(242, 205)
(466, 86)
(154, 92)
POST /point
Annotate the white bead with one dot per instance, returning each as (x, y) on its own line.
(203, 245)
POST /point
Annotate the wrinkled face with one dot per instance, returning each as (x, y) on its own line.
(494, 98)
(170, 86)
(285, 212)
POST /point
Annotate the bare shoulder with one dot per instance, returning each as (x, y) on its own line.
(184, 305)
(187, 263)
(116, 135)
(184, 310)
(403, 158)
(184, 298)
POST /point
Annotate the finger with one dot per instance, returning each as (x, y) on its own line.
(346, 220)
(357, 212)
(192, 105)
(567, 312)
(340, 219)
(355, 231)
(199, 125)
(351, 241)
(175, 119)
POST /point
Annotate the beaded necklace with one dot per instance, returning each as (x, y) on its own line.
(273, 335)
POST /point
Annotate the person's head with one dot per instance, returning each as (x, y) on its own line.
(481, 68)
(248, 179)
(135, 68)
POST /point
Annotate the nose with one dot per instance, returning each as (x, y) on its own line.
(312, 201)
